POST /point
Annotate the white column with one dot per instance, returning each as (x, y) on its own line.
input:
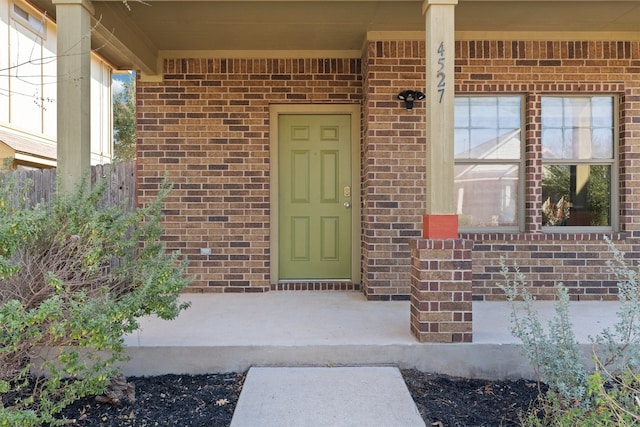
(73, 19)
(440, 220)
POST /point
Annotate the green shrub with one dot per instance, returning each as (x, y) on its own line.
(74, 278)
(622, 343)
(608, 394)
(554, 355)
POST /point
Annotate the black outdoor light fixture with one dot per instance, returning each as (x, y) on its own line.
(408, 96)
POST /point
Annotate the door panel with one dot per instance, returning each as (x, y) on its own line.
(315, 224)
(299, 176)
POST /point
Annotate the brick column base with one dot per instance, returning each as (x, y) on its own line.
(441, 290)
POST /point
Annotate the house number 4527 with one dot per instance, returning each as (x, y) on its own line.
(440, 75)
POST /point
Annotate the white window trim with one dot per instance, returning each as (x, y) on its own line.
(41, 30)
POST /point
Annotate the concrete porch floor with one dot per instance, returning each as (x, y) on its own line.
(232, 332)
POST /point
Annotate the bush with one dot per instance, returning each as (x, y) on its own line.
(554, 356)
(608, 394)
(74, 278)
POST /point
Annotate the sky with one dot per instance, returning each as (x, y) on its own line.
(119, 79)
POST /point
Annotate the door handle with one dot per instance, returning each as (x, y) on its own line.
(347, 205)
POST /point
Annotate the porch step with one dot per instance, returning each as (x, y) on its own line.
(325, 396)
(231, 333)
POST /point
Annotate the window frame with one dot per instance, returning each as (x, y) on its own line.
(41, 30)
(520, 163)
(614, 163)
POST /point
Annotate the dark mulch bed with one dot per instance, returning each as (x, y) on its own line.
(209, 400)
(166, 400)
(448, 401)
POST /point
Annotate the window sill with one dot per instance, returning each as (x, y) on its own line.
(545, 235)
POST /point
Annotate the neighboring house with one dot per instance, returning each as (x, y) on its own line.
(486, 193)
(296, 166)
(28, 78)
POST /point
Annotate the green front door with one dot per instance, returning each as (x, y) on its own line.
(315, 196)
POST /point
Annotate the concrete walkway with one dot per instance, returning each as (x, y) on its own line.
(233, 332)
(327, 397)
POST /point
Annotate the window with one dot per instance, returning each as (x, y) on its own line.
(488, 165)
(28, 20)
(578, 159)
(578, 163)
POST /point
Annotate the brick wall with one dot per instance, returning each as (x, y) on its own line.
(393, 163)
(555, 67)
(393, 150)
(579, 261)
(207, 125)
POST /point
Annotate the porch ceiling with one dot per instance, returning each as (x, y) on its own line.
(140, 35)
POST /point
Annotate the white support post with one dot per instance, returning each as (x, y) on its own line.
(440, 220)
(73, 19)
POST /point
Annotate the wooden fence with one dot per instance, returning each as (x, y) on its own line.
(40, 185)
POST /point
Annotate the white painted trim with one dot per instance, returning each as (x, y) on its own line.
(259, 54)
(547, 35)
(23, 157)
(510, 35)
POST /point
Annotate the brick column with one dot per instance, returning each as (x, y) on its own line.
(441, 290)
